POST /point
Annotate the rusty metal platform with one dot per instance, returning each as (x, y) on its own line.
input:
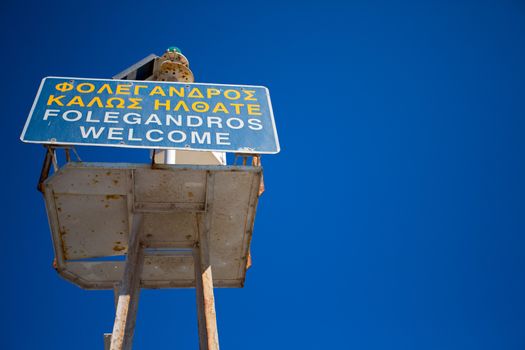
(90, 207)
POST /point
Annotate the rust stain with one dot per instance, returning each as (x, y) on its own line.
(106, 206)
(113, 196)
(188, 237)
(249, 261)
(149, 235)
(261, 186)
(190, 194)
(115, 182)
(62, 232)
(118, 248)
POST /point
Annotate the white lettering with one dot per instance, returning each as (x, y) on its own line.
(115, 133)
(255, 124)
(223, 138)
(91, 130)
(111, 117)
(240, 123)
(74, 119)
(206, 137)
(130, 136)
(180, 133)
(170, 118)
(51, 113)
(215, 121)
(135, 120)
(193, 117)
(153, 118)
(89, 120)
(149, 138)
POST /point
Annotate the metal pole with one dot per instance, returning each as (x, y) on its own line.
(208, 334)
(44, 173)
(107, 336)
(170, 156)
(201, 320)
(107, 341)
(129, 291)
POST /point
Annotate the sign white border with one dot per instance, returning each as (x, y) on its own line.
(149, 147)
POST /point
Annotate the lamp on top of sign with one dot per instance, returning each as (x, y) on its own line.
(144, 114)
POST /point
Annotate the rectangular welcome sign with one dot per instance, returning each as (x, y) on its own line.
(146, 114)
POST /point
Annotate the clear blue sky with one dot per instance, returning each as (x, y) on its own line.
(394, 215)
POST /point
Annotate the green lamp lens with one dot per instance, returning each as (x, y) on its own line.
(174, 49)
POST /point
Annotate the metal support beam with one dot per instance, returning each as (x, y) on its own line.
(207, 320)
(107, 341)
(201, 321)
(129, 291)
(46, 166)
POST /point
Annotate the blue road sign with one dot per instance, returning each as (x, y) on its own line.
(146, 114)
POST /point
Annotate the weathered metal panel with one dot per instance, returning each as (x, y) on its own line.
(160, 186)
(90, 208)
(170, 230)
(92, 225)
(103, 181)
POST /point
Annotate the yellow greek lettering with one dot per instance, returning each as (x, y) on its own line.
(105, 87)
(76, 101)
(236, 94)
(212, 92)
(96, 100)
(157, 90)
(64, 87)
(183, 105)
(136, 90)
(195, 93)
(53, 99)
(158, 104)
(249, 95)
(220, 107)
(109, 102)
(134, 103)
(123, 89)
(90, 88)
(173, 90)
(237, 107)
(200, 106)
(254, 109)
